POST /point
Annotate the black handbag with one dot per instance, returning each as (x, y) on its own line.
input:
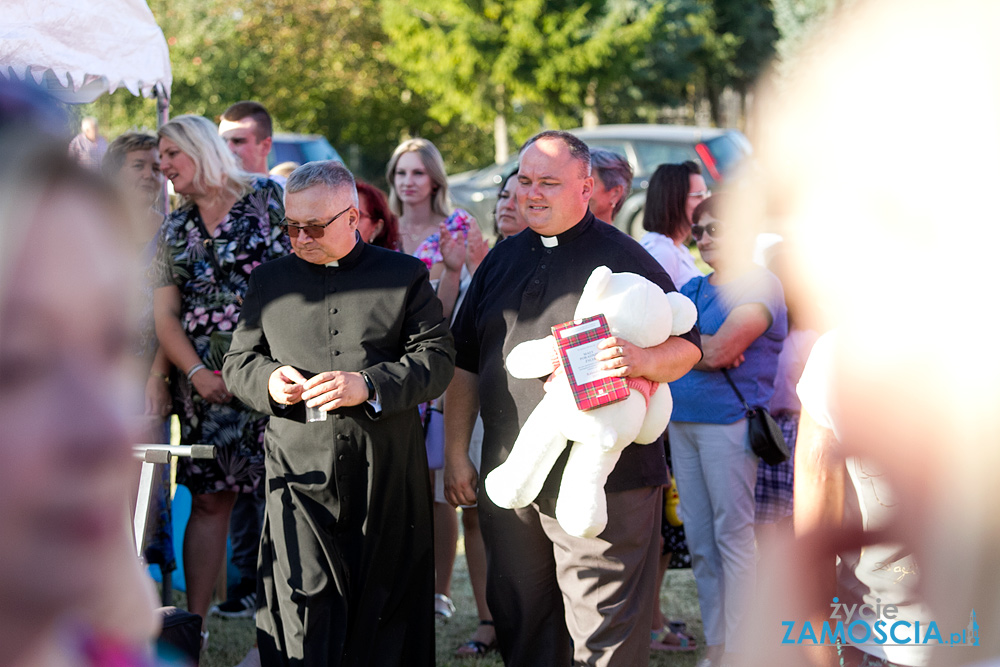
(766, 439)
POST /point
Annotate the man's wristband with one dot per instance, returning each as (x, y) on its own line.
(194, 369)
(162, 376)
(371, 386)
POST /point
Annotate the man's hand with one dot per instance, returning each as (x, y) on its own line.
(335, 389)
(460, 481)
(285, 386)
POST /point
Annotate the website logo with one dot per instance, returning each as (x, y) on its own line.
(876, 625)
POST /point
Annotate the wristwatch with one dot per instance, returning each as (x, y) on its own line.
(371, 386)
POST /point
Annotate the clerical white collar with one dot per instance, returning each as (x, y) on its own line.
(550, 241)
(333, 263)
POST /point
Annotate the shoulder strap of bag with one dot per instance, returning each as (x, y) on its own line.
(738, 394)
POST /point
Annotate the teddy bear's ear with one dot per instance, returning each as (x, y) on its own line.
(598, 280)
(685, 313)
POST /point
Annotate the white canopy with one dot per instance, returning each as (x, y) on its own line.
(82, 49)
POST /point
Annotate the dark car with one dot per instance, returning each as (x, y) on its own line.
(300, 148)
(718, 151)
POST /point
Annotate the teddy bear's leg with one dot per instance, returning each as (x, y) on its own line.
(661, 405)
(582, 508)
(517, 482)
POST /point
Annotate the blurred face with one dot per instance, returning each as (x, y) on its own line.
(90, 130)
(241, 137)
(509, 220)
(367, 227)
(316, 206)
(141, 172)
(697, 193)
(710, 230)
(64, 453)
(177, 166)
(412, 182)
(552, 192)
(602, 203)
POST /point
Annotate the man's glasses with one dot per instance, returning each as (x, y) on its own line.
(712, 229)
(700, 194)
(315, 231)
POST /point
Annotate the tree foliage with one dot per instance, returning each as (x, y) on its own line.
(531, 62)
(367, 73)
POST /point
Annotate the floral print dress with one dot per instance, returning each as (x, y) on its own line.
(210, 308)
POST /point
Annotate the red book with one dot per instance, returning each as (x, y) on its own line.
(577, 344)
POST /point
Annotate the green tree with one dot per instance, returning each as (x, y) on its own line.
(796, 22)
(319, 67)
(737, 38)
(508, 66)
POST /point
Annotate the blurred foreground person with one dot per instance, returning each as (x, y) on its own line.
(916, 379)
(72, 591)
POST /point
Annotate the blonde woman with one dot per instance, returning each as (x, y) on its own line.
(431, 231)
(228, 223)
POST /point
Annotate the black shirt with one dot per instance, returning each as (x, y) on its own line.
(520, 291)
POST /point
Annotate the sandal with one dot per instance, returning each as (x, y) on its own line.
(477, 649)
(678, 640)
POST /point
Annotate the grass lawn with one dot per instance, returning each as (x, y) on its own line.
(230, 639)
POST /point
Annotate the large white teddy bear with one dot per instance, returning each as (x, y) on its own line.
(638, 311)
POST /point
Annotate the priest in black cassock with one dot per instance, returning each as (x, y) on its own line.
(339, 343)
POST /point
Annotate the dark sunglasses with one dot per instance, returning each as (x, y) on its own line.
(712, 229)
(315, 231)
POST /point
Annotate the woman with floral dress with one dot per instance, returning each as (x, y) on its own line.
(227, 224)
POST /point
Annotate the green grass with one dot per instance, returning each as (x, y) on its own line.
(230, 639)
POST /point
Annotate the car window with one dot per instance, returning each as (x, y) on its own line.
(726, 151)
(652, 154)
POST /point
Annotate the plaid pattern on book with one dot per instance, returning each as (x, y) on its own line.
(598, 392)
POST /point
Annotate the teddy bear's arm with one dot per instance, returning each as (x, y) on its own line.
(533, 358)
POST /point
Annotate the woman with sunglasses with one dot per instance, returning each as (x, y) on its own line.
(227, 223)
(674, 192)
(743, 321)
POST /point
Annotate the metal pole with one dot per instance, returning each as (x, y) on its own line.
(162, 116)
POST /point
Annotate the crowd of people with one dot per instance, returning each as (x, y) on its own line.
(343, 349)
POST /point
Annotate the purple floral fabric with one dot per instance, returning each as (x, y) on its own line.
(210, 308)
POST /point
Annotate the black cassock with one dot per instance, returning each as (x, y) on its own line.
(346, 561)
